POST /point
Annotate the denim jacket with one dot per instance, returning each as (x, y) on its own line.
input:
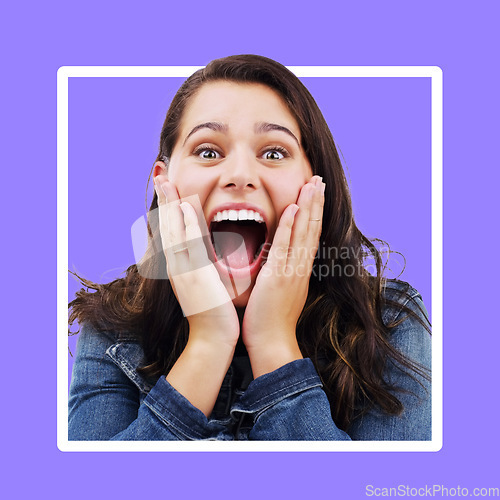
(110, 400)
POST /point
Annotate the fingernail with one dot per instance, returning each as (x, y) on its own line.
(295, 209)
(323, 186)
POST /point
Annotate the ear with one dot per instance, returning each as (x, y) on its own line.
(160, 168)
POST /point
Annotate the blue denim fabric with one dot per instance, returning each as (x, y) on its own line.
(110, 400)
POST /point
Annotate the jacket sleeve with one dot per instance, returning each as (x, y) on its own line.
(289, 403)
(104, 404)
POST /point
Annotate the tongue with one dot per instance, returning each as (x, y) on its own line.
(236, 243)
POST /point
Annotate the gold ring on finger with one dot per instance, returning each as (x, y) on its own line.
(315, 219)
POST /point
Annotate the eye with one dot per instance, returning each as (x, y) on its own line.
(275, 153)
(207, 153)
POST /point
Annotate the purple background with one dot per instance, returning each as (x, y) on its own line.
(38, 38)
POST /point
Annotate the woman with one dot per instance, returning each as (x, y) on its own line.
(268, 327)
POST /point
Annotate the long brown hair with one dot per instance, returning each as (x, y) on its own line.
(340, 328)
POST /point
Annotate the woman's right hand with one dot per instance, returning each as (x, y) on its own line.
(195, 280)
(214, 327)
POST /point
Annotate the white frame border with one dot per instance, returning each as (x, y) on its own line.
(436, 75)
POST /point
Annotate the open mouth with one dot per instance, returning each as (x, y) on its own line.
(238, 238)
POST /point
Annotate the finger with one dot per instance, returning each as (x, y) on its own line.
(301, 225)
(175, 218)
(162, 211)
(277, 258)
(307, 227)
(172, 229)
(314, 227)
(158, 180)
(197, 251)
(316, 215)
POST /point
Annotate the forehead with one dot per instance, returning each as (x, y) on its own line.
(237, 104)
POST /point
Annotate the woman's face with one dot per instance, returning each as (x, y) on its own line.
(239, 150)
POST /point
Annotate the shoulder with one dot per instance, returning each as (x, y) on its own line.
(93, 340)
(89, 332)
(400, 298)
(407, 319)
(123, 350)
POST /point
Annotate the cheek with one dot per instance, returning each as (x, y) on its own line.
(286, 190)
(189, 183)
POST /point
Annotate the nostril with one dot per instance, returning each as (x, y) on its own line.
(243, 186)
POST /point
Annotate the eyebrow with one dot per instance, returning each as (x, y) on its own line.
(215, 126)
(260, 128)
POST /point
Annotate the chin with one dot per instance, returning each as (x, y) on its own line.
(239, 288)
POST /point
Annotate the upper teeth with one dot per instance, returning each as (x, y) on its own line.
(237, 215)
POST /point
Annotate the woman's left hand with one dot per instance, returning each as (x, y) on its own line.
(280, 290)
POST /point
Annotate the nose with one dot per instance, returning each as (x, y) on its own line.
(240, 173)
